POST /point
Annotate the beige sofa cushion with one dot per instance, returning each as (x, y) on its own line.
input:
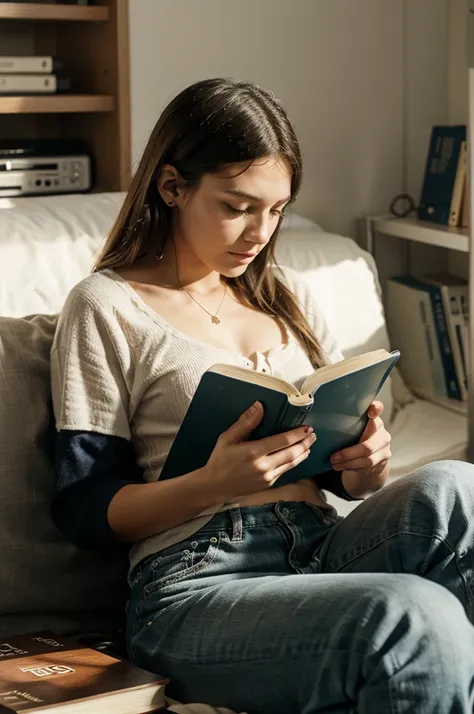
(45, 582)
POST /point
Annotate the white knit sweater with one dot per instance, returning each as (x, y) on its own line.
(119, 368)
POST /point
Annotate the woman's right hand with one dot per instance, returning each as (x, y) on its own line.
(238, 467)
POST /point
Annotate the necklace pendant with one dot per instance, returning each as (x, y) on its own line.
(215, 320)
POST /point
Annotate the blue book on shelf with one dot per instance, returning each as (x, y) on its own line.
(453, 389)
(440, 173)
(333, 400)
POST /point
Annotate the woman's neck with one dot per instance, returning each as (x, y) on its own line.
(180, 268)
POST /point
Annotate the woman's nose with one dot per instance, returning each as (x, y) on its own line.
(259, 233)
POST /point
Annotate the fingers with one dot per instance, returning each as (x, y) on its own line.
(373, 425)
(375, 410)
(243, 427)
(288, 455)
(279, 442)
(289, 465)
(364, 455)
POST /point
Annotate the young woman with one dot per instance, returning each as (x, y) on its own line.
(256, 598)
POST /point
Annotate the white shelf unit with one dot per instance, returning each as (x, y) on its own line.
(460, 239)
(422, 232)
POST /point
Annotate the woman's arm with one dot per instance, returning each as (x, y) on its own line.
(96, 503)
(138, 511)
(101, 498)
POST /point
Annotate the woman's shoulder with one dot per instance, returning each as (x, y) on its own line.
(98, 291)
(99, 304)
(103, 305)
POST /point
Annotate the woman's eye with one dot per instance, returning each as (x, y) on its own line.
(279, 214)
(245, 211)
(235, 211)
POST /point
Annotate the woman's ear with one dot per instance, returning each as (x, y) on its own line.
(169, 184)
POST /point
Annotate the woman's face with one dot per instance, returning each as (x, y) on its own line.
(232, 215)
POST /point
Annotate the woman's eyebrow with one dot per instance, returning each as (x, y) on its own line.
(250, 197)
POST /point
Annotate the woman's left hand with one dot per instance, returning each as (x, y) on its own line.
(365, 466)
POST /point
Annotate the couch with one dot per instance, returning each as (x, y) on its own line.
(47, 245)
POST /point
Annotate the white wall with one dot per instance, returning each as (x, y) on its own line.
(344, 68)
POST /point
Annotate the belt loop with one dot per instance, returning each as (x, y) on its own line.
(237, 525)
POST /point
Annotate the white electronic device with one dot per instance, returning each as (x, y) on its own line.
(41, 175)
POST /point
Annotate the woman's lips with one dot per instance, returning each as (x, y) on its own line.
(243, 257)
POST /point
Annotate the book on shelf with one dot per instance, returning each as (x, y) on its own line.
(460, 181)
(33, 84)
(25, 64)
(47, 673)
(445, 176)
(455, 296)
(428, 319)
(334, 400)
(464, 222)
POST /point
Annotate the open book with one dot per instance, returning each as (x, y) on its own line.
(333, 400)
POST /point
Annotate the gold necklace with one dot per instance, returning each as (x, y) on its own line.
(214, 319)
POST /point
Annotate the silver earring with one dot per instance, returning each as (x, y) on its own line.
(159, 255)
(170, 203)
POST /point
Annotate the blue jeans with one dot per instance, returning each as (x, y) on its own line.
(286, 608)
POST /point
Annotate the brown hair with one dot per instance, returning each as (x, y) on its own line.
(209, 126)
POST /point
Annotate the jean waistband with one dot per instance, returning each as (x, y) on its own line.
(240, 518)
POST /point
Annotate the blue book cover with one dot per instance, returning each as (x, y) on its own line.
(334, 401)
(451, 382)
(440, 173)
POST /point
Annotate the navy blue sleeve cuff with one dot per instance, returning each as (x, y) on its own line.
(332, 481)
(90, 469)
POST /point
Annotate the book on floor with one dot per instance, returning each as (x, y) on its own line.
(333, 400)
(48, 673)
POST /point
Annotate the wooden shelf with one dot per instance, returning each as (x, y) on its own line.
(50, 11)
(92, 41)
(57, 103)
(423, 232)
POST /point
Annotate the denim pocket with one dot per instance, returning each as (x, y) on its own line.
(180, 562)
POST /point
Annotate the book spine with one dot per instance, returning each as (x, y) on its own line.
(460, 339)
(433, 348)
(440, 173)
(457, 320)
(27, 83)
(464, 221)
(458, 189)
(450, 318)
(411, 325)
(26, 65)
(452, 385)
(293, 416)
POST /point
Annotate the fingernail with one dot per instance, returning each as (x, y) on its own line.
(309, 430)
(313, 437)
(335, 458)
(253, 408)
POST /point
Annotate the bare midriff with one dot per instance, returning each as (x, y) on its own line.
(305, 490)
